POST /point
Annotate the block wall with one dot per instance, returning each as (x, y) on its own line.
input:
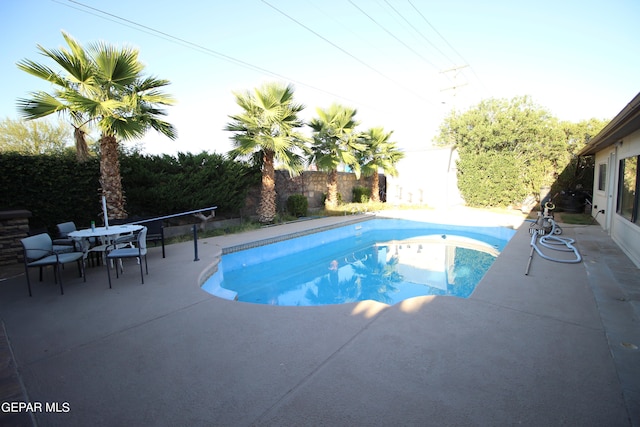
(313, 185)
(14, 225)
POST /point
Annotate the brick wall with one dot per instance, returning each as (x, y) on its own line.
(14, 225)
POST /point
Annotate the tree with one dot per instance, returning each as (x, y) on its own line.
(579, 170)
(379, 153)
(506, 134)
(101, 86)
(30, 138)
(335, 142)
(266, 131)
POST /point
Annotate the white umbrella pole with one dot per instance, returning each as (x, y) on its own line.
(104, 211)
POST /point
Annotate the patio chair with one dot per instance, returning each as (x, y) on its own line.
(101, 245)
(156, 233)
(64, 229)
(64, 243)
(116, 253)
(39, 252)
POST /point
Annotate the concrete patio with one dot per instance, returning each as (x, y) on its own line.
(556, 347)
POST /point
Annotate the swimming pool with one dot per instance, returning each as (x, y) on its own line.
(387, 260)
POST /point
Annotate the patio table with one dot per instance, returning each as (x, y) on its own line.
(105, 234)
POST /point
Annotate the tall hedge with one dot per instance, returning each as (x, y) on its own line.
(509, 149)
(56, 188)
(161, 185)
(492, 179)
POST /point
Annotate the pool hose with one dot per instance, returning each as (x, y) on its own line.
(552, 241)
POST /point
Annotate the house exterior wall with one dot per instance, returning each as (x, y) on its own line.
(622, 231)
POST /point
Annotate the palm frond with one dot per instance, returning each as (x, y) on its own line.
(165, 128)
(41, 104)
(267, 122)
(41, 71)
(102, 84)
(335, 138)
(116, 66)
(379, 152)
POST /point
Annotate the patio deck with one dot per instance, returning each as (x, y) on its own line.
(556, 347)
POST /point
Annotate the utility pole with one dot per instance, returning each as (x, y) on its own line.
(456, 85)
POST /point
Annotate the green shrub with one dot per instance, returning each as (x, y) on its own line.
(492, 179)
(361, 194)
(297, 205)
(56, 188)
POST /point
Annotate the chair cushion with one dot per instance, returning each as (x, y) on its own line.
(127, 253)
(103, 248)
(63, 249)
(65, 241)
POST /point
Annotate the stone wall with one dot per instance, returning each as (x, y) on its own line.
(14, 225)
(313, 185)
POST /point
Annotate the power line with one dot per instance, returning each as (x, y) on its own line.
(186, 43)
(393, 35)
(419, 32)
(436, 31)
(344, 27)
(445, 40)
(343, 50)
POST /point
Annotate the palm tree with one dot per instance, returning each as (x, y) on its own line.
(335, 142)
(102, 86)
(265, 131)
(380, 153)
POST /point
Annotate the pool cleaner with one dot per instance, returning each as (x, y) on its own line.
(547, 230)
(544, 224)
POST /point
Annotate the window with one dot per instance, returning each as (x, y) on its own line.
(627, 191)
(602, 177)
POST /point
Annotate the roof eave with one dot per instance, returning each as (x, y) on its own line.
(626, 122)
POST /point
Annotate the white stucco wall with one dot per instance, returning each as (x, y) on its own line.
(622, 231)
(426, 177)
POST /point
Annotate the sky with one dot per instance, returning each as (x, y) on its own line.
(403, 64)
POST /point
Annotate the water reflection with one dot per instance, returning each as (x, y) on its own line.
(388, 272)
(360, 277)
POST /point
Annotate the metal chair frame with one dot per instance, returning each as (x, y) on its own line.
(113, 252)
(39, 252)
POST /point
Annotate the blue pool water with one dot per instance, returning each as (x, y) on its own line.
(386, 260)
